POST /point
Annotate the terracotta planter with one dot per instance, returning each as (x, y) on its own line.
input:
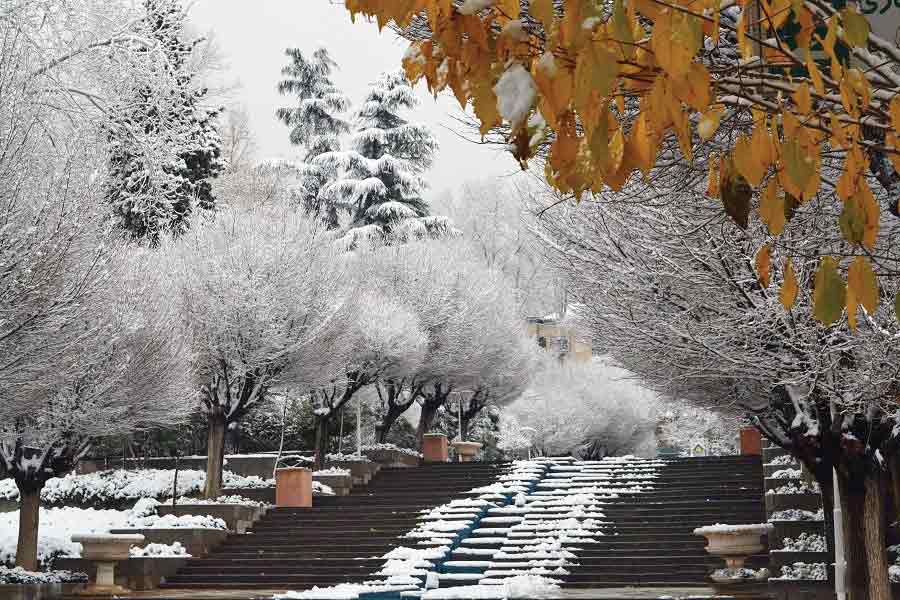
(751, 441)
(434, 448)
(735, 543)
(466, 451)
(293, 487)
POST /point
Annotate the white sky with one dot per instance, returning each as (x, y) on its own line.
(253, 36)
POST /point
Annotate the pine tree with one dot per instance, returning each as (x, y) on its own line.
(382, 185)
(165, 147)
(315, 124)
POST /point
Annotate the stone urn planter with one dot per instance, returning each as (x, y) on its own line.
(735, 544)
(466, 451)
(105, 549)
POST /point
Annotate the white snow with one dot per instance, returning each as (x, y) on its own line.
(471, 7)
(159, 550)
(516, 92)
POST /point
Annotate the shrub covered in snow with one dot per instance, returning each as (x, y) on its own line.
(159, 550)
(796, 514)
(332, 471)
(797, 487)
(787, 474)
(20, 576)
(391, 448)
(800, 570)
(338, 457)
(740, 574)
(59, 524)
(806, 542)
(231, 499)
(113, 488)
(782, 461)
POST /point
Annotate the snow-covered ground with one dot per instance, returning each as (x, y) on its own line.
(105, 487)
(57, 525)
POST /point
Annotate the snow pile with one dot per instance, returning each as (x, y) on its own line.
(343, 591)
(798, 487)
(332, 471)
(59, 524)
(159, 550)
(391, 448)
(800, 570)
(722, 528)
(736, 575)
(782, 461)
(787, 474)
(228, 499)
(806, 542)
(519, 586)
(796, 514)
(104, 487)
(19, 576)
(516, 92)
(320, 488)
(338, 457)
(175, 522)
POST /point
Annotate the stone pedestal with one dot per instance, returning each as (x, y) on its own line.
(435, 448)
(293, 488)
(104, 550)
(466, 451)
(751, 441)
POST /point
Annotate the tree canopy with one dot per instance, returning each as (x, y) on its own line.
(596, 88)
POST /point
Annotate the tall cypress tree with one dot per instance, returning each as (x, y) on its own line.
(316, 125)
(164, 148)
(381, 183)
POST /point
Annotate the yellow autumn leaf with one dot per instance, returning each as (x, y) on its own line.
(771, 208)
(862, 281)
(829, 292)
(747, 163)
(789, 288)
(803, 99)
(712, 186)
(764, 265)
(709, 123)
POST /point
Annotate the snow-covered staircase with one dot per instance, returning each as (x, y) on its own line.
(340, 539)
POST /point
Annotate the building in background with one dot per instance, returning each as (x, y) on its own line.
(555, 334)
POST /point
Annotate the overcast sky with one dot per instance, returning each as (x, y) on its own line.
(253, 35)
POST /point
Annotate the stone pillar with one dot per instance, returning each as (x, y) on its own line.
(435, 448)
(106, 574)
(293, 488)
(751, 441)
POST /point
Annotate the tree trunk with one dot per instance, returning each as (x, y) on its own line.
(29, 518)
(321, 443)
(387, 422)
(215, 455)
(876, 554)
(825, 479)
(853, 508)
(426, 419)
(894, 464)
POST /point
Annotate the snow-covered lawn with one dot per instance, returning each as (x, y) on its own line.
(105, 487)
(19, 575)
(57, 525)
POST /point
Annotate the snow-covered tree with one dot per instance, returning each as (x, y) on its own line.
(671, 290)
(474, 330)
(316, 125)
(381, 174)
(387, 342)
(589, 410)
(164, 146)
(90, 347)
(261, 292)
(87, 345)
(238, 141)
